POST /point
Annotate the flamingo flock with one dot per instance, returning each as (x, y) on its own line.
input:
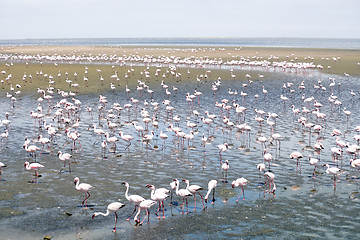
(192, 125)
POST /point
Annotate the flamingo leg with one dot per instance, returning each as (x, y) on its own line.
(116, 217)
(183, 206)
(202, 199)
(132, 213)
(163, 208)
(195, 202)
(213, 200)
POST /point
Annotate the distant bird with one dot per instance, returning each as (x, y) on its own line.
(332, 171)
(126, 138)
(65, 157)
(211, 187)
(111, 208)
(32, 150)
(313, 162)
(261, 168)
(222, 148)
(240, 182)
(267, 157)
(34, 167)
(270, 178)
(225, 168)
(83, 187)
(297, 156)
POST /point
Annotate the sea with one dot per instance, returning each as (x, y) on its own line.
(326, 43)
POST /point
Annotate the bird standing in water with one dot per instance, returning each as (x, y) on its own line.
(83, 187)
(111, 208)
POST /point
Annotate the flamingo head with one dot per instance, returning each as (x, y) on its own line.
(93, 216)
(76, 180)
(26, 163)
(59, 152)
(150, 186)
(125, 183)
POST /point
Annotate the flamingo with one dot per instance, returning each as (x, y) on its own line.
(163, 136)
(112, 140)
(1, 166)
(332, 171)
(146, 204)
(103, 147)
(111, 208)
(267, 157)
(313, 162)
(33, 166)
(126, 138)
(148, 138)
(270, 177)
(222, 148)
(211, 187)
(44, 141)
(74, 136)
(184, 193)
(31, 149)
(136, 199)
(194, 189)
(261, 168)
(297, 156)
(225, 168)
(65, 157)
(240, 182)
(172, 187)
(355, 163)
(158, 196)
(3, 136)
(83, 187)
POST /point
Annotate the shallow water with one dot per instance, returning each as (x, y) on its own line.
(303, 207)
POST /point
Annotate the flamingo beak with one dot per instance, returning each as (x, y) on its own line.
(205, 200)
(93, 216)
(232, 186)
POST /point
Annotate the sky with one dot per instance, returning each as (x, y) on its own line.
(41, 19)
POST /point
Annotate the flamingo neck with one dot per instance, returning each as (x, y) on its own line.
(208, 193)
(103, 214)
(177, 187)
(126, 192)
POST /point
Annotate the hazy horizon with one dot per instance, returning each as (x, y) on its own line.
(59, 19)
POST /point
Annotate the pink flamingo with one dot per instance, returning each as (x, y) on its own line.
(65, 157)
(126, 138)
(158, 195)
(332, 171)
(146, 204)
(194, 189)
(313, 162)
(184, 193)
(33, 166)
(211, 187)
(83, 187)
(297, 156)
(240, 182)
(111, 208)
(132, 198)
